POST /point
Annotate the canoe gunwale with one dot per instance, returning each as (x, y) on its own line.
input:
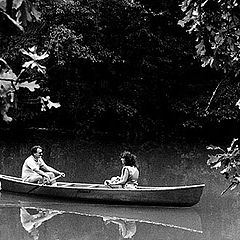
(100, 186)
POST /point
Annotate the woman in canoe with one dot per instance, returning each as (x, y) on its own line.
(129, 174)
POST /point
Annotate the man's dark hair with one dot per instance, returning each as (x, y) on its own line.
(35, 148)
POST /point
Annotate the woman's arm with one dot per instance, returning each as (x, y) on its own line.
(123, 178)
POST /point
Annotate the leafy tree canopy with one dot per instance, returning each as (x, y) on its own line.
(216, 25)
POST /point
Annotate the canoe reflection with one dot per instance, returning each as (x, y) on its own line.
(179, 223)
(37, 219)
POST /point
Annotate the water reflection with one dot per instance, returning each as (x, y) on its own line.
(32, 220)
(127, 229)
(37, 219)
(25, 218)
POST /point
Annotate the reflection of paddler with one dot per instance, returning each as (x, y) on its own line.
(127, 229)
(31, 222)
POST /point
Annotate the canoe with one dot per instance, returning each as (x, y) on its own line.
(179, 196)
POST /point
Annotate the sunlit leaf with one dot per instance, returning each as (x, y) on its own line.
(35, 58)
(17, 3)
(33, 54)
(234, 186)
(33, 49)
(237, 178)
(218, 165)
(238, 103)
(212, 159)
(211, 147)
(3, 4)
(230, 162)
(41, 68)
(27, 64)
(232, 144)
(6, 118)
(47, 103)
(226, 170)
(27, 12)
(7, 76)
(36, 13)
(52, 104)
(30, 85)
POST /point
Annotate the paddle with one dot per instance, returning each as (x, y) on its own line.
(51, 180)
(225, 190)
(233, 185)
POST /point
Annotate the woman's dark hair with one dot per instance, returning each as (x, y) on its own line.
(35, 148)
(130, 159)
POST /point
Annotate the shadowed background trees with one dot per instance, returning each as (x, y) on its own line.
(120, 69)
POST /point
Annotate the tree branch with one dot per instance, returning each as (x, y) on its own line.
(214, 93)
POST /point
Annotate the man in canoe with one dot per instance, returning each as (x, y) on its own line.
(35, 170)
(129, 174)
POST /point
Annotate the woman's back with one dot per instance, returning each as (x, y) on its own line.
(133, 174)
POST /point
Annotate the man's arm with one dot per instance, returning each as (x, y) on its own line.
(51, 169)
(32, 165)
(40, 172)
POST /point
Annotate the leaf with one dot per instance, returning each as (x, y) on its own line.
(8, 75)
(27, 12)
(211, 147)
(237, 178)
(47, 103)
(212, 159)
(52, 104)
(43, 56)
(17, 3)
(3, 4)
(33, 49)
(226, 170)
(36, 13)
(218, 165)
(201, 48)
(238, 103)
(27, 64)
(5, 87)
(6, 118)
(234, 186)
(203, 4)
(181, 23)
(35, 58)
(33, 54)
(5, 71)
(41, 68)
(232, 144)
(30, 85)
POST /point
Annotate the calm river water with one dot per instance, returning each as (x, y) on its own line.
(215, 217)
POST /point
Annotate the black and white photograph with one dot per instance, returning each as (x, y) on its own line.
(119, 119)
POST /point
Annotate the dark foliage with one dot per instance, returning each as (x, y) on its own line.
(118, 69)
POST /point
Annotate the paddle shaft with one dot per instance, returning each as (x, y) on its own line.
(227, 188)
(52, 180)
